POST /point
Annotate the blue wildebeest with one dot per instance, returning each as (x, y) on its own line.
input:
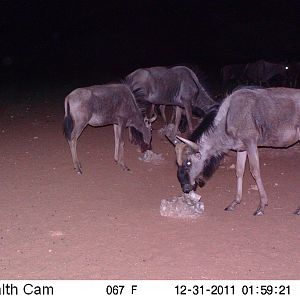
(232, 76)
(294, 74)
(262, 72)
(246, 119)
(177, 86)
(101, 105)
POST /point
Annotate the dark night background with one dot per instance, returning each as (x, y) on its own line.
(94, 41)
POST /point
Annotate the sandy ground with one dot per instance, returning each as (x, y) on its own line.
(106, 224)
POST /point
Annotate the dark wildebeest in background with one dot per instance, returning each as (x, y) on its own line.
(101, 105)
(246, 119)
(177, 86)
(294, 74)
(232, 76)
(262, 73)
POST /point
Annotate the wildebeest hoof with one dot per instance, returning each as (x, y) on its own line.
(259, 213)
(77, 168)
(297, 212)
(229, 208)
(125, 168)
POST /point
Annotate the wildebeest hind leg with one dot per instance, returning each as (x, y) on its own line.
(240, 168)
(255, 171)
(76, 163)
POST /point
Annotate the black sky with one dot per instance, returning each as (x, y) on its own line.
(78, 36)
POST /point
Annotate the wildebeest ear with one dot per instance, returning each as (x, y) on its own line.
(193, 145)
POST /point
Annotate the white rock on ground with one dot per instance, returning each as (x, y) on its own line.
(187, 206)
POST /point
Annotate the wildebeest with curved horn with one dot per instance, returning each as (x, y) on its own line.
(177, 86)
(101, 105)
(246, 119)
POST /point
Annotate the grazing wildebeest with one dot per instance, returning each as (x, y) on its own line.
(232, 76)
(246, 119)
(101, 105)
(262, 72)
(177, 86)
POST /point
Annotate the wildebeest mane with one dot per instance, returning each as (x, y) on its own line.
(206, 125)
(201, 76)
(138, 98)
(139, 95)
(211, 165)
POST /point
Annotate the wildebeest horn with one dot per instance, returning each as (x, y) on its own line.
(154, 117)
(174, 142)
(193, 145)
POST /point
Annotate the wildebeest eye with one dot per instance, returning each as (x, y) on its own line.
(188, 163)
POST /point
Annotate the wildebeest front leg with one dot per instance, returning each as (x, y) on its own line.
(188, 113)
(162, 109)
(255, 171)
(240, 168)
(177, 120)
(173, 114)
(119, 146)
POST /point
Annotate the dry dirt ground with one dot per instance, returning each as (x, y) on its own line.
(106, 224)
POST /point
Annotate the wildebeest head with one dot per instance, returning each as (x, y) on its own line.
(195, 166)
(190, 165)
(148, 132)
(142, 135)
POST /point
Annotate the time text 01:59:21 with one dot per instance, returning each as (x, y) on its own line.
(231, 289)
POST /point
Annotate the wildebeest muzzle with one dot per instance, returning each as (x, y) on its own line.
(184, 179)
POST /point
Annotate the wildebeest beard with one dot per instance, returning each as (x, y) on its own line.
(211, 165)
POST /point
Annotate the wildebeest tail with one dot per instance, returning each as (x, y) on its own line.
(68, 122)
